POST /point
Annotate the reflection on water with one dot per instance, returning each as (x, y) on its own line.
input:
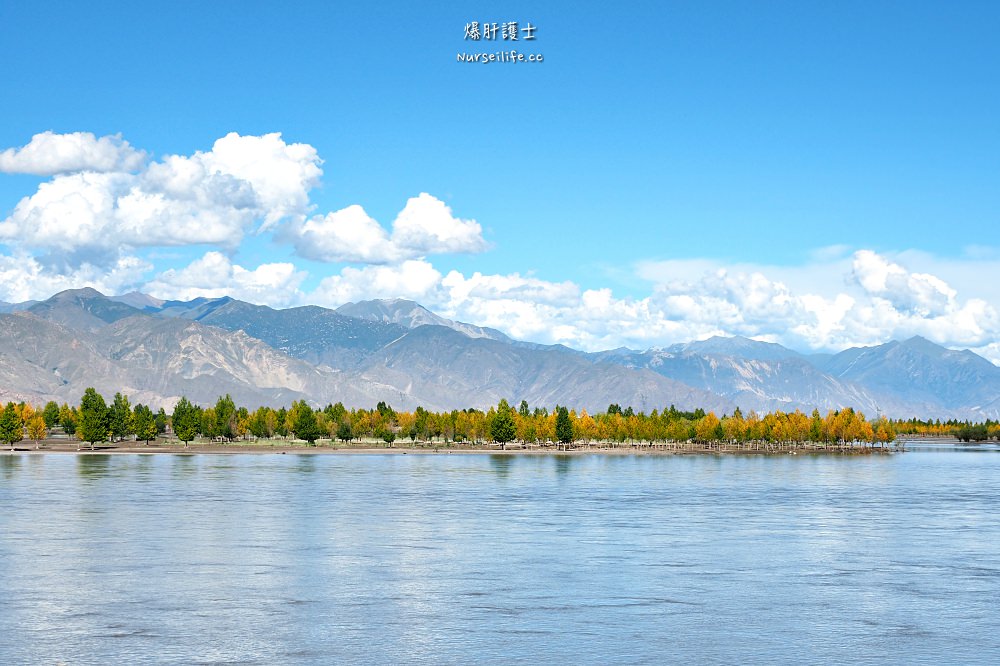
(184, 465)
(500, 463)
(500, 559)
(9, 465)
(306, 463)
(93, 466)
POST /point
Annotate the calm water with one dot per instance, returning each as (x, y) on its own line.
(448, 558)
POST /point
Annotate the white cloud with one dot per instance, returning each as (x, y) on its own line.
(718, 301)
(346, 235)
(105, 198)
(425, 226)
(49, 153)
(214, 275)
(415, 279)
(263, 170)
(210, 197)
(23, 278)
(918, 293)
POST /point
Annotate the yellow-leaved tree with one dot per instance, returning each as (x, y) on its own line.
(36, 429)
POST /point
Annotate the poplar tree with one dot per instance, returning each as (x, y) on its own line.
(186, 420)
(37, 429)
(145, 423)
(93, 426)
(120, 418)
(51, 414)
(503, 428)
(11, 428)
(305, 423)
(564, 426)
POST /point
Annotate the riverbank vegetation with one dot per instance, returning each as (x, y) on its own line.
(95, 420)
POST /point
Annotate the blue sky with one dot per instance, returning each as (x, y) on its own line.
(656, 145)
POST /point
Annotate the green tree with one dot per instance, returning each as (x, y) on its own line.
(120, 418)
(260, 425)
(420, 422)
(161, 421)
(388, 436)
(385, 410)
(93, 426)
(68, 418)
(186, 420)
(225, 418)
(51, 414)
(306, 426)
(503, 428)
(11, 428)
(145, 423)
(344, 431)
(279, 422)
(564, 426)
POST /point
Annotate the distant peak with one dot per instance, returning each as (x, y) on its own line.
(920, 342)
(83, 292)
(137, 299)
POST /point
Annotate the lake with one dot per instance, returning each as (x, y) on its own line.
(479, 558)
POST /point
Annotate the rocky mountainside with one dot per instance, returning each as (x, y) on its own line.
(208, 347)
(926, 377)
(455, 369)
(411, 315)
(402, 353)
(313, 334)
(762, 384)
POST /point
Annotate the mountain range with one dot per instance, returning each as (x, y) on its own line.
(399, 352)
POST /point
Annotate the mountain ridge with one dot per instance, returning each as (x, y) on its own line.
(399, 351)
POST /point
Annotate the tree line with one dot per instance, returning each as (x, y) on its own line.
(94, 420)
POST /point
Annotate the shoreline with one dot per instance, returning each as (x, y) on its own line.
(659, 449)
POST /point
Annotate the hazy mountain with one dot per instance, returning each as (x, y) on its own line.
(451, 368)
(737, 347)
(156, 360)
(411, 315)
(310, 333)
(42, 360)
(899, 379)
(208, 347)
(140, 301)
(82, 309)
(402, 353)
(6, 308)
(923, 376)
(758, 376)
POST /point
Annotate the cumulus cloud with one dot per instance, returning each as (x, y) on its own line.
(917, 293)
(874, 299)
(49, 153)
(103, 199)
(212, 197)
(877, 300)
(415, 279)
(425, 226)
(23, 278)
(274, 176)
(214, 275)
(346, 235)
